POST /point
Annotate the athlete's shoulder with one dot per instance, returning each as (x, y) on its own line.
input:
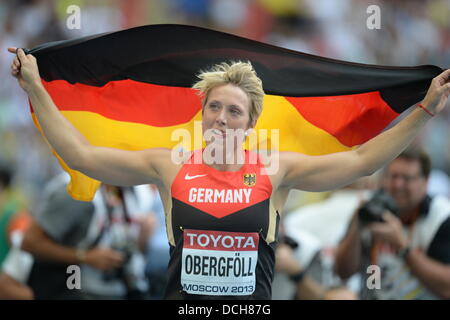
(264, 158)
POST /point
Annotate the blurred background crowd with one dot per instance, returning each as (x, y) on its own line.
(413, 32)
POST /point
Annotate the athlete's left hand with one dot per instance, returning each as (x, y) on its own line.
(438, 93)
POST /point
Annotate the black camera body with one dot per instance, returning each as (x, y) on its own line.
(372, 210)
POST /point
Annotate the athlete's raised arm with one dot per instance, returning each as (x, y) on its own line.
(327, 172)
(113, 166)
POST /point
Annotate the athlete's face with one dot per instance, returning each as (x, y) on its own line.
(225, 112)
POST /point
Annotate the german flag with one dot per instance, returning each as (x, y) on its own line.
(130, 89)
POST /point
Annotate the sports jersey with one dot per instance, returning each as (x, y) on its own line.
(222, 230)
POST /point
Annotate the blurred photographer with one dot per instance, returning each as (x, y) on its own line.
(404, 232)
(106, 238)
(299, 268)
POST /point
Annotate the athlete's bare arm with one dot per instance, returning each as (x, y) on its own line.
(321, 173)
(113, 166)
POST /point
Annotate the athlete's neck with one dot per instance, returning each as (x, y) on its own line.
(226, 161)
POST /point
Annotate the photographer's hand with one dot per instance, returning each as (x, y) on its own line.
(286, 261)
(104, 259)
(390, 231)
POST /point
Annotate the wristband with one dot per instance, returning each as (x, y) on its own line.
(425, 109)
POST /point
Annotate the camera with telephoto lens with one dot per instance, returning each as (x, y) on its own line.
(372, 210)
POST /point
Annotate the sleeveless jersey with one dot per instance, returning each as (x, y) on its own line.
(222, 230)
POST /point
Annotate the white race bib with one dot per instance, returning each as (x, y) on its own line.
(219, 263)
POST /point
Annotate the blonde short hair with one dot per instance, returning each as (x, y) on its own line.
(238, 73)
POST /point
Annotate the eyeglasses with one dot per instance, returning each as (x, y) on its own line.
(405, 178)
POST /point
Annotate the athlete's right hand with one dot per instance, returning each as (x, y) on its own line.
(24, 68)
(104, 259)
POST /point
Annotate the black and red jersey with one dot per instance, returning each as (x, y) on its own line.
(222, 230)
